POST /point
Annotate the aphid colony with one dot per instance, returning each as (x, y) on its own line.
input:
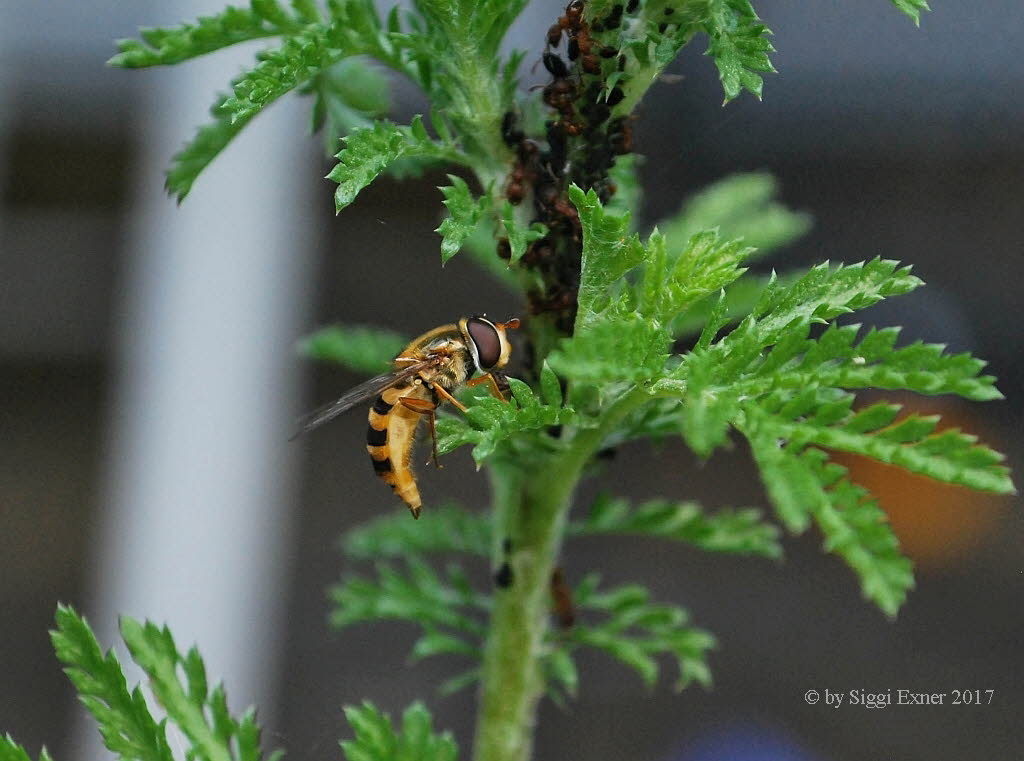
(581, 143)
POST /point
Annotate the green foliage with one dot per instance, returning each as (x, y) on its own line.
(349, 94)
(445, 529)
(11, 751)
(464, 214)
(209, 141)
(519, 237)
(740, 46)
(178, 682)
(634, 630)
(609, 252)
(360, 348)
(445, 606)
(912, 8)
(169, 45)
(742, 206)
(738, 531)
(778, 378)
(520, 425)
(370, 150)
(377, 740)
(279, 71)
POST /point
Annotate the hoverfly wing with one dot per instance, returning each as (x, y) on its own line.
(364, 392)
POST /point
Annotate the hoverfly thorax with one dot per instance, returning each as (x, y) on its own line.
(487, 341)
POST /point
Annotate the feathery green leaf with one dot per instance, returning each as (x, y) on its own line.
(369, 151)
(417, 594)
(209, 141)
(169, 45)
(741, 206)
(738, 531)
(361, 348)
(299, 59)
(740, 46)
(609, 252)
(464, 213)
(803, 483)
(11, 751)
(377, 740)
(634, 630)
(125, 721)
(349, 94)
(444, 529)
(912, 8)
(519, 237)
(520, 425)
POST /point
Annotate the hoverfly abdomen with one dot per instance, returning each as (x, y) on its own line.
(389, 439)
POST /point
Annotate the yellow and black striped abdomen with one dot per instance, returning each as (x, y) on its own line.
(390, 438)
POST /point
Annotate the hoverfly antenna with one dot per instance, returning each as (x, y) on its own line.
(512, 324)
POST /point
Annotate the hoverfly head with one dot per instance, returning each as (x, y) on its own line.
(487, 341)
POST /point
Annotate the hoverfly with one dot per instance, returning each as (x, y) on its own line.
(425, 373)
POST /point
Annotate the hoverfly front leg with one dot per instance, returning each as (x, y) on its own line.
(428, 408)
(443, 393)
(493, 384)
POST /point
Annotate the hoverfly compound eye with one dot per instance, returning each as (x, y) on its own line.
(486, 341)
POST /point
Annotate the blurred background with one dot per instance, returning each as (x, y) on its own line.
(148, 383)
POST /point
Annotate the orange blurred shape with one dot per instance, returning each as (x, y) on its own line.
(938, 524)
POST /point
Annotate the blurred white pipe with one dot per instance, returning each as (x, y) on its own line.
(195, 525)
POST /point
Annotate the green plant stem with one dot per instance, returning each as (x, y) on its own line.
(531, 510)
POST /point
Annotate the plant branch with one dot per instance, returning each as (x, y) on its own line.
(531, 512)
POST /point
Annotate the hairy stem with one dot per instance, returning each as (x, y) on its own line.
(531, 511)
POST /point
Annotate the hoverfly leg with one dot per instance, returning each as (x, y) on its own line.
(424, 407)
(443, 393)
(492, 385)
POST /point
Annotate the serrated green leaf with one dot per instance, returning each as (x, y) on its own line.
(11, 751)
(459, 682)
(912, 8)
(628, 193)
(739, 44)
(209, 141)
(826, 292)
(518, 426)
(550, 386)
(444, 529)
(442, 643)
(626, 347)
(704, 266)
(634, 630)
(519, 237)
(609, 252)
(741, 206)
(347, 95)
(124, 719)
(369, 151)
(169, 45)
(464, 213)
(377, 740)
(357, 347)
(445, 606)
(279, 71)
(737, 531)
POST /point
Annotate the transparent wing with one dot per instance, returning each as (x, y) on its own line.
(355, 396)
